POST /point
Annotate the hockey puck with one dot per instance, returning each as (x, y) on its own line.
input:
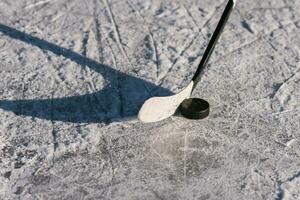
(194, 108)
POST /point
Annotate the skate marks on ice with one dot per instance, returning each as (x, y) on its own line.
(106, 105)
(290, 188)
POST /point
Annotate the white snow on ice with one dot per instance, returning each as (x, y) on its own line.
(75, 73)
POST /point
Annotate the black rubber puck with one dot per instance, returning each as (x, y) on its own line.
(194, 108)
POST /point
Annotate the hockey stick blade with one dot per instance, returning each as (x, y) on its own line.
(159, 108)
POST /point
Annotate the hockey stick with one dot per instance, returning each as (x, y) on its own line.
(159, 108)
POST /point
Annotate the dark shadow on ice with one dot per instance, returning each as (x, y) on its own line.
(120, 99)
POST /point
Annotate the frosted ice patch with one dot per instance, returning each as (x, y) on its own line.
(7, 63)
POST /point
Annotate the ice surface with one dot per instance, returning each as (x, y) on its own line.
(75, 73)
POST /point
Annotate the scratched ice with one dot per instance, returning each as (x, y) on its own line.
(81, 69)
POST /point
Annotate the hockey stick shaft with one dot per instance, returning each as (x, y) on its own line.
(213, 41)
